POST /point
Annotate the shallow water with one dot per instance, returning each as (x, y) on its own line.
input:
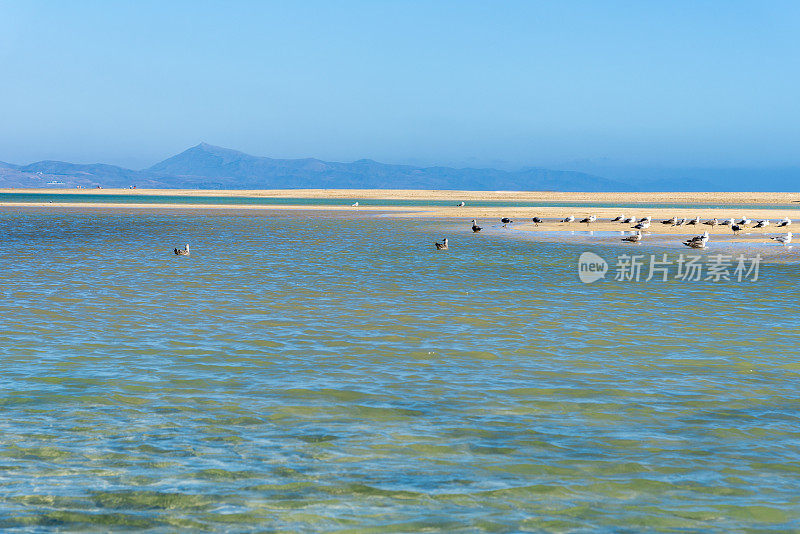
(364, 202)
(322, 373)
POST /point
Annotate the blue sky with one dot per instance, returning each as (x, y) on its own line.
(695, 83)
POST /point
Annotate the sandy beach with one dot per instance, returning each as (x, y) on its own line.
(456, 196)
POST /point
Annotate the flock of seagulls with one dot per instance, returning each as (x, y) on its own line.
(698, 242)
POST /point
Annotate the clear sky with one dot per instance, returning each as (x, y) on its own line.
(455, 82)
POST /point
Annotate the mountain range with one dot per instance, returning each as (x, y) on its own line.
(211, 167)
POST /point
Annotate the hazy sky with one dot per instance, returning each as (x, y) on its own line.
(671, 83)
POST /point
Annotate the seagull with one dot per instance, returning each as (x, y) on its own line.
(783, 239)
(569, 219)
(744, 222)
(589, 219)
(643, 224)
(694, 221)
(785, 222)
(698, 241)
(670, 221)
(182, 251)
(355, 205)
(475, 227)
(695, 244)
(505, 221)
(442, 245)
(629, 220)
(635, 238)
(736, 228)
(537, 220)
(702, 237)
(680, 222)
(712, 222)
(762, 224)
(461, 204)
(618, 218)
(727, 222)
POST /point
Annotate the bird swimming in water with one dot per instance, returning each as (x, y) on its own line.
(442, 245)
(475, 227)
(536, 221)
(182, 251)
(698, 241)
(783, 239)
(635, 238)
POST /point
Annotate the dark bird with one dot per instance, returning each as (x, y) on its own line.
(618, 218)
(736, 229)
(635, 238)
(536, 221)
(475, 227)
(589, 219)
(506, 220)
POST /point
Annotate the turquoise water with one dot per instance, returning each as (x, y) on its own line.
(336, 374)
(267, 201)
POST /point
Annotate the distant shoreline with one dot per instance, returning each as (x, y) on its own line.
(432, 194)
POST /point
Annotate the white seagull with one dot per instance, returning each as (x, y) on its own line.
(696, 220)
(643, 224)
(728, 222)
(589, 219)
(569, 219)
(355, 204)
(785, 222)
(762, 224)
(629, 220)
(744, 222)
(783, 239)
(618, 218)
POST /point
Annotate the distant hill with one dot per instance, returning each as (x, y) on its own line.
(210, 167)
